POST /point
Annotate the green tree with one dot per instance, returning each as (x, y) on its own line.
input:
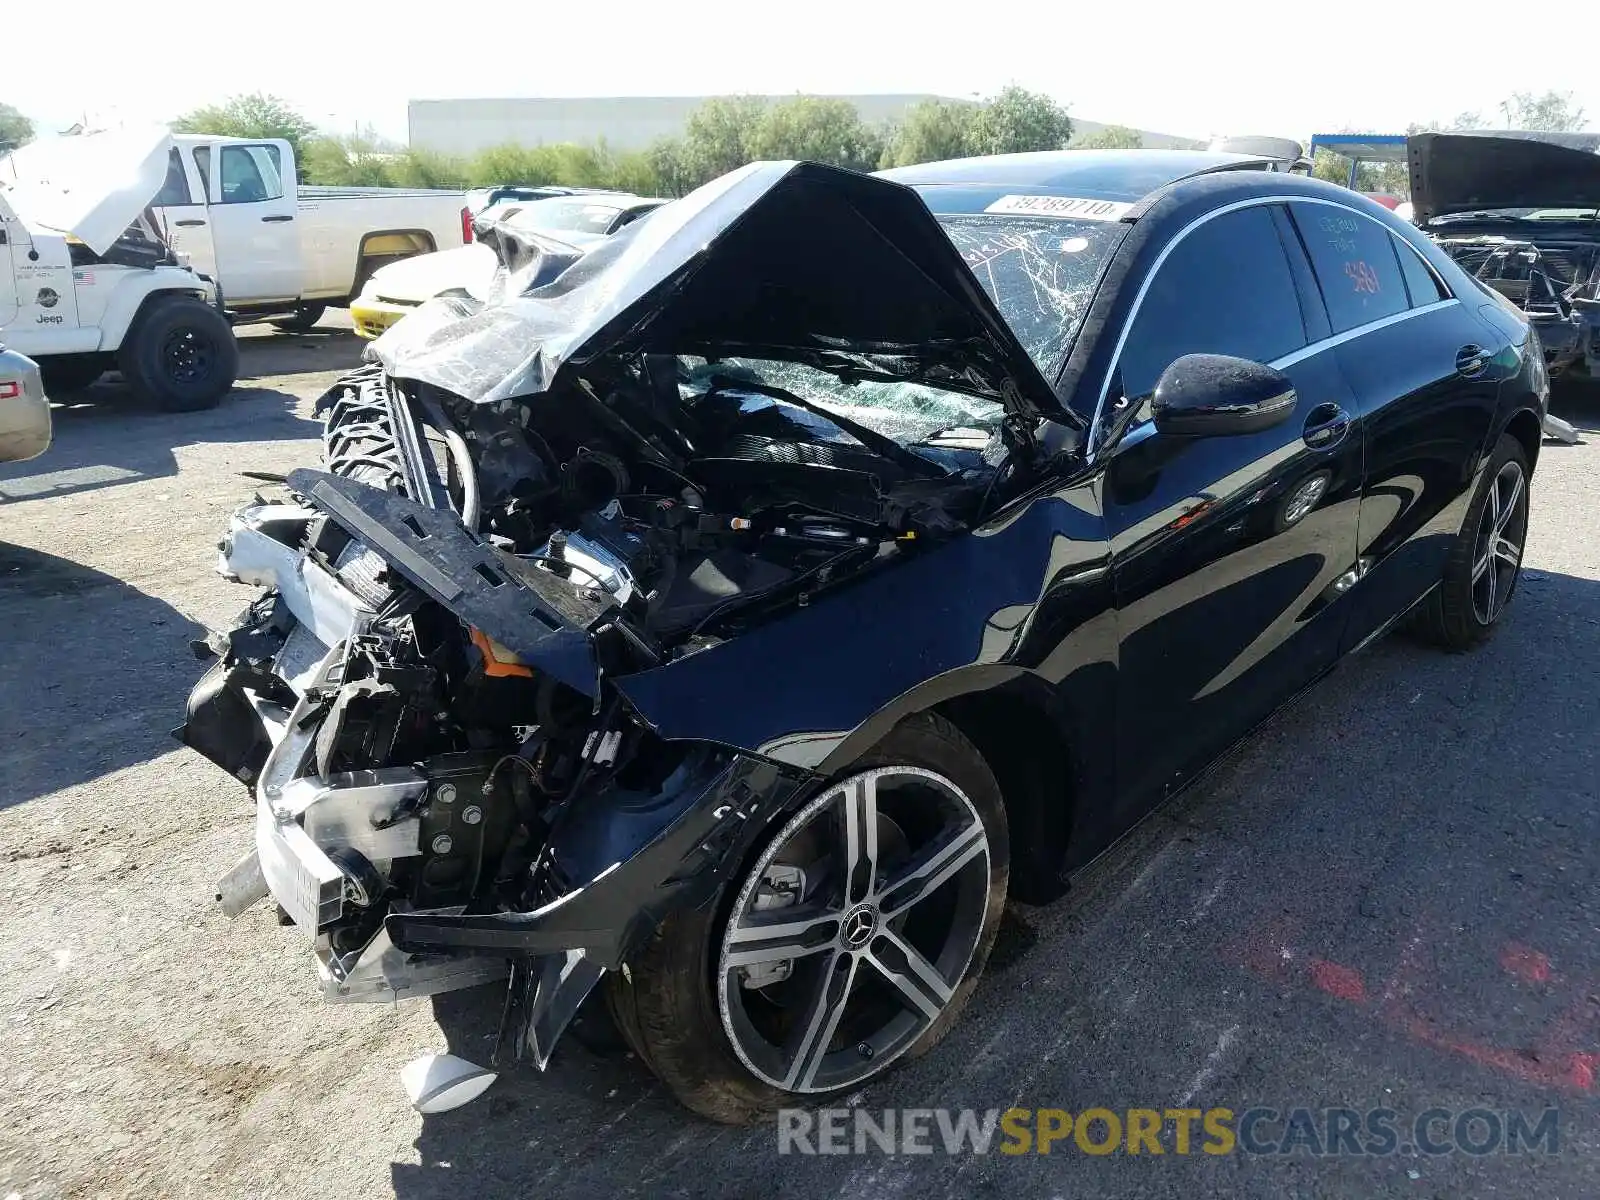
(15, 129)
(1112, 137)
(256, 115)
(1552, 112)
(635, 171)
(670, 165)
(427, 169)
(1018, 120)
(817, 129)
(358, 160)
(719, 135)
(930, 131)
(1335, 168)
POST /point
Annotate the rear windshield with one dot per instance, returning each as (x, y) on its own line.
(1039, 271)
(575, 216)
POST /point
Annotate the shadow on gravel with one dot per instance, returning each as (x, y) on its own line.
(96, 674)
(263, 353)
(1447, 802)
(106, 437)
(1578, 402)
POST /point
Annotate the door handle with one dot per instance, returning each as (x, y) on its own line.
(1326, 426)
(1471, 361)
(280, 217)
(189, 224)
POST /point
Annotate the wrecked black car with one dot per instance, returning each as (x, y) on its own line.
(738, 613)
(1521, 212)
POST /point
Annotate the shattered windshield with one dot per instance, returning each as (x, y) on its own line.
(907, 412)
(1039, 271)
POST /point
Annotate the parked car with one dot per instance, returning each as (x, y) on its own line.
(87, 284)
(479, 199)
(1519, 212)
(1283, 154)
(576, 222)
(24, 410)
(826, 559)
(283, 251)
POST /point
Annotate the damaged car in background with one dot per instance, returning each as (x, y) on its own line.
(735, 614)
(1521, 212)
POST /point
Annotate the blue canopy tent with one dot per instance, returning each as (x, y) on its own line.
(1361, 148)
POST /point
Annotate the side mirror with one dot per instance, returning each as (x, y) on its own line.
(1213, 395)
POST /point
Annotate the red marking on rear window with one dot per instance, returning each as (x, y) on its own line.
(1529, 965)
(1343, 982)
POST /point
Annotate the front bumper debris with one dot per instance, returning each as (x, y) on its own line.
(327, 845)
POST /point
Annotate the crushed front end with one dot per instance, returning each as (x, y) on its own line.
(432, 809)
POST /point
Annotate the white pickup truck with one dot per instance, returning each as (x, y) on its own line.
(231, 209)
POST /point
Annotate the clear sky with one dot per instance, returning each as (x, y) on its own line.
(1179, 66)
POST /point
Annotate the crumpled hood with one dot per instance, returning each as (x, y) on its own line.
(1467, 171)
(791, 261)
(91, 187)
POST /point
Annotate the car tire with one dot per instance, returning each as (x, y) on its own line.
(181, 354)
(1486, 561)
(701, 1024)
(64, 374)
(302, 320)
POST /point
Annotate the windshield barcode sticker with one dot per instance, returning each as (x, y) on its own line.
(1061, 206)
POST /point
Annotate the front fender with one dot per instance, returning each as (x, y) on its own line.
(130, 296)
(1029, 594)
(621, 860)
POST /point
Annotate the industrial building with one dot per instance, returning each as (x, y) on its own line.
(465, 127)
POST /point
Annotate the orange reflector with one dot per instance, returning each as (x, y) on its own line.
(497, 660)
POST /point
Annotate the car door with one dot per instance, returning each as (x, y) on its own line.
(1425, 371)
(1229, 554)
(253, 224)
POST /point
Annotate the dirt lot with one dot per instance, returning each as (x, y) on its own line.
(1386, 899)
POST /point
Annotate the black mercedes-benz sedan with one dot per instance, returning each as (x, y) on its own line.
(734, 615)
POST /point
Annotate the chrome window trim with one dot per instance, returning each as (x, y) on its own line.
(1287, 360)
(1440, 282)
(1338, 339)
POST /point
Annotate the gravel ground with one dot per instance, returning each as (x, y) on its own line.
(1384, 899)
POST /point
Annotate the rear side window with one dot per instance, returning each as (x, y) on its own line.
(1421, 282)
(175, 189)
(1353, 257)
(1224, 289)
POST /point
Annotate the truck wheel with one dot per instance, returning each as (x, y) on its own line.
(306, 316)
(853, 940)
(67, 373)
(181, 354)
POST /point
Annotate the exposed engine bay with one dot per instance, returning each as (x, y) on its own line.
(417, 747)
(1555, 281)
(1519, 211)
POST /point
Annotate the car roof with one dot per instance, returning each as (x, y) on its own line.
(604, 199)
(1124, 175)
